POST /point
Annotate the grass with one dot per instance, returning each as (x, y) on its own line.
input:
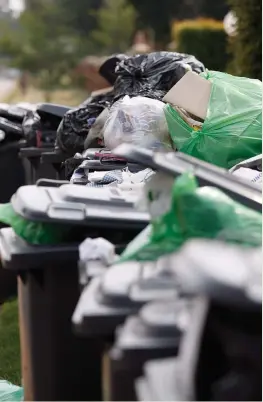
(10, 343)
(68, 97)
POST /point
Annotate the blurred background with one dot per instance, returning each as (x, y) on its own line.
(52, 49)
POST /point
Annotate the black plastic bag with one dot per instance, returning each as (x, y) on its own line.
(4, 109)
(154, 74)
(39, 132)
(107, 69)
(74, 128)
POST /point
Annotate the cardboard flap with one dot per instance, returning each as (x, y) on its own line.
(191, 93)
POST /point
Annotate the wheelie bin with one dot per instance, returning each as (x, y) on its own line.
(56, 364)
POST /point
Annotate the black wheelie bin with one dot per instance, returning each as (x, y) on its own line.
(56, 364)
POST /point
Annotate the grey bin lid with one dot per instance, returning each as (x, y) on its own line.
(175, 163)
(234, 277)
(78, 205)
(159, 379)
(16, 254)
(172, 313)
(93, 316)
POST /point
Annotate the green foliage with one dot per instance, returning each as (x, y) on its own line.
(116, 24)
(44, 46)
(204, 38)
(158, 15)
(79, 15)
(214, 9)
(246, 46)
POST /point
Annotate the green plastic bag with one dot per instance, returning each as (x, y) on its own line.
(36, 233)
(10, 392)
(194, 212)
(232, 131)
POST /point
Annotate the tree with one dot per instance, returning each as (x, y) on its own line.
(79, 14)
(214, 9)
(43, 46)
(116, 24)
(158, 15)
(246, 46)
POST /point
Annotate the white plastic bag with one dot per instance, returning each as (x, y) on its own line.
(97, 249)
(140, 121)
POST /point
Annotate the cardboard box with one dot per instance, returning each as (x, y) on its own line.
(191, 93)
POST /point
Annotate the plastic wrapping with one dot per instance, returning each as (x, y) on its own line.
(96, 131)
(232, 130)
(107, 69)
(75, 126)
(10, 392)
(153, 74)
(254, 176)
(38, 134)
(97, 249)
(192, 212)
(39, 130)
(31, 127)
(36, 233)
(140, 121)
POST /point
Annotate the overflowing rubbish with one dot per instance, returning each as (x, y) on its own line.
(96, 130)
(249, 174)
(254, 163)
(232, 129)
(36, 133)
(97, 249)
(146, 199)
(108, 68)
(140, 121)
(37, 233)
(191, 212)
(153, 74)
(76, 124)
(249, 169)
(122, 179)
(40, 125)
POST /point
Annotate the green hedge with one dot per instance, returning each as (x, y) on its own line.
(246, 46)
(205, 39)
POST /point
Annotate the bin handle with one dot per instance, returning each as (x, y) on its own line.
(51, 183)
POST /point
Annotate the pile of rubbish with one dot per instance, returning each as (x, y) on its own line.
(169, 101)
(163, 101)
(167, 155)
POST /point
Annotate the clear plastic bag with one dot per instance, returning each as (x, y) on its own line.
(140, 121)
